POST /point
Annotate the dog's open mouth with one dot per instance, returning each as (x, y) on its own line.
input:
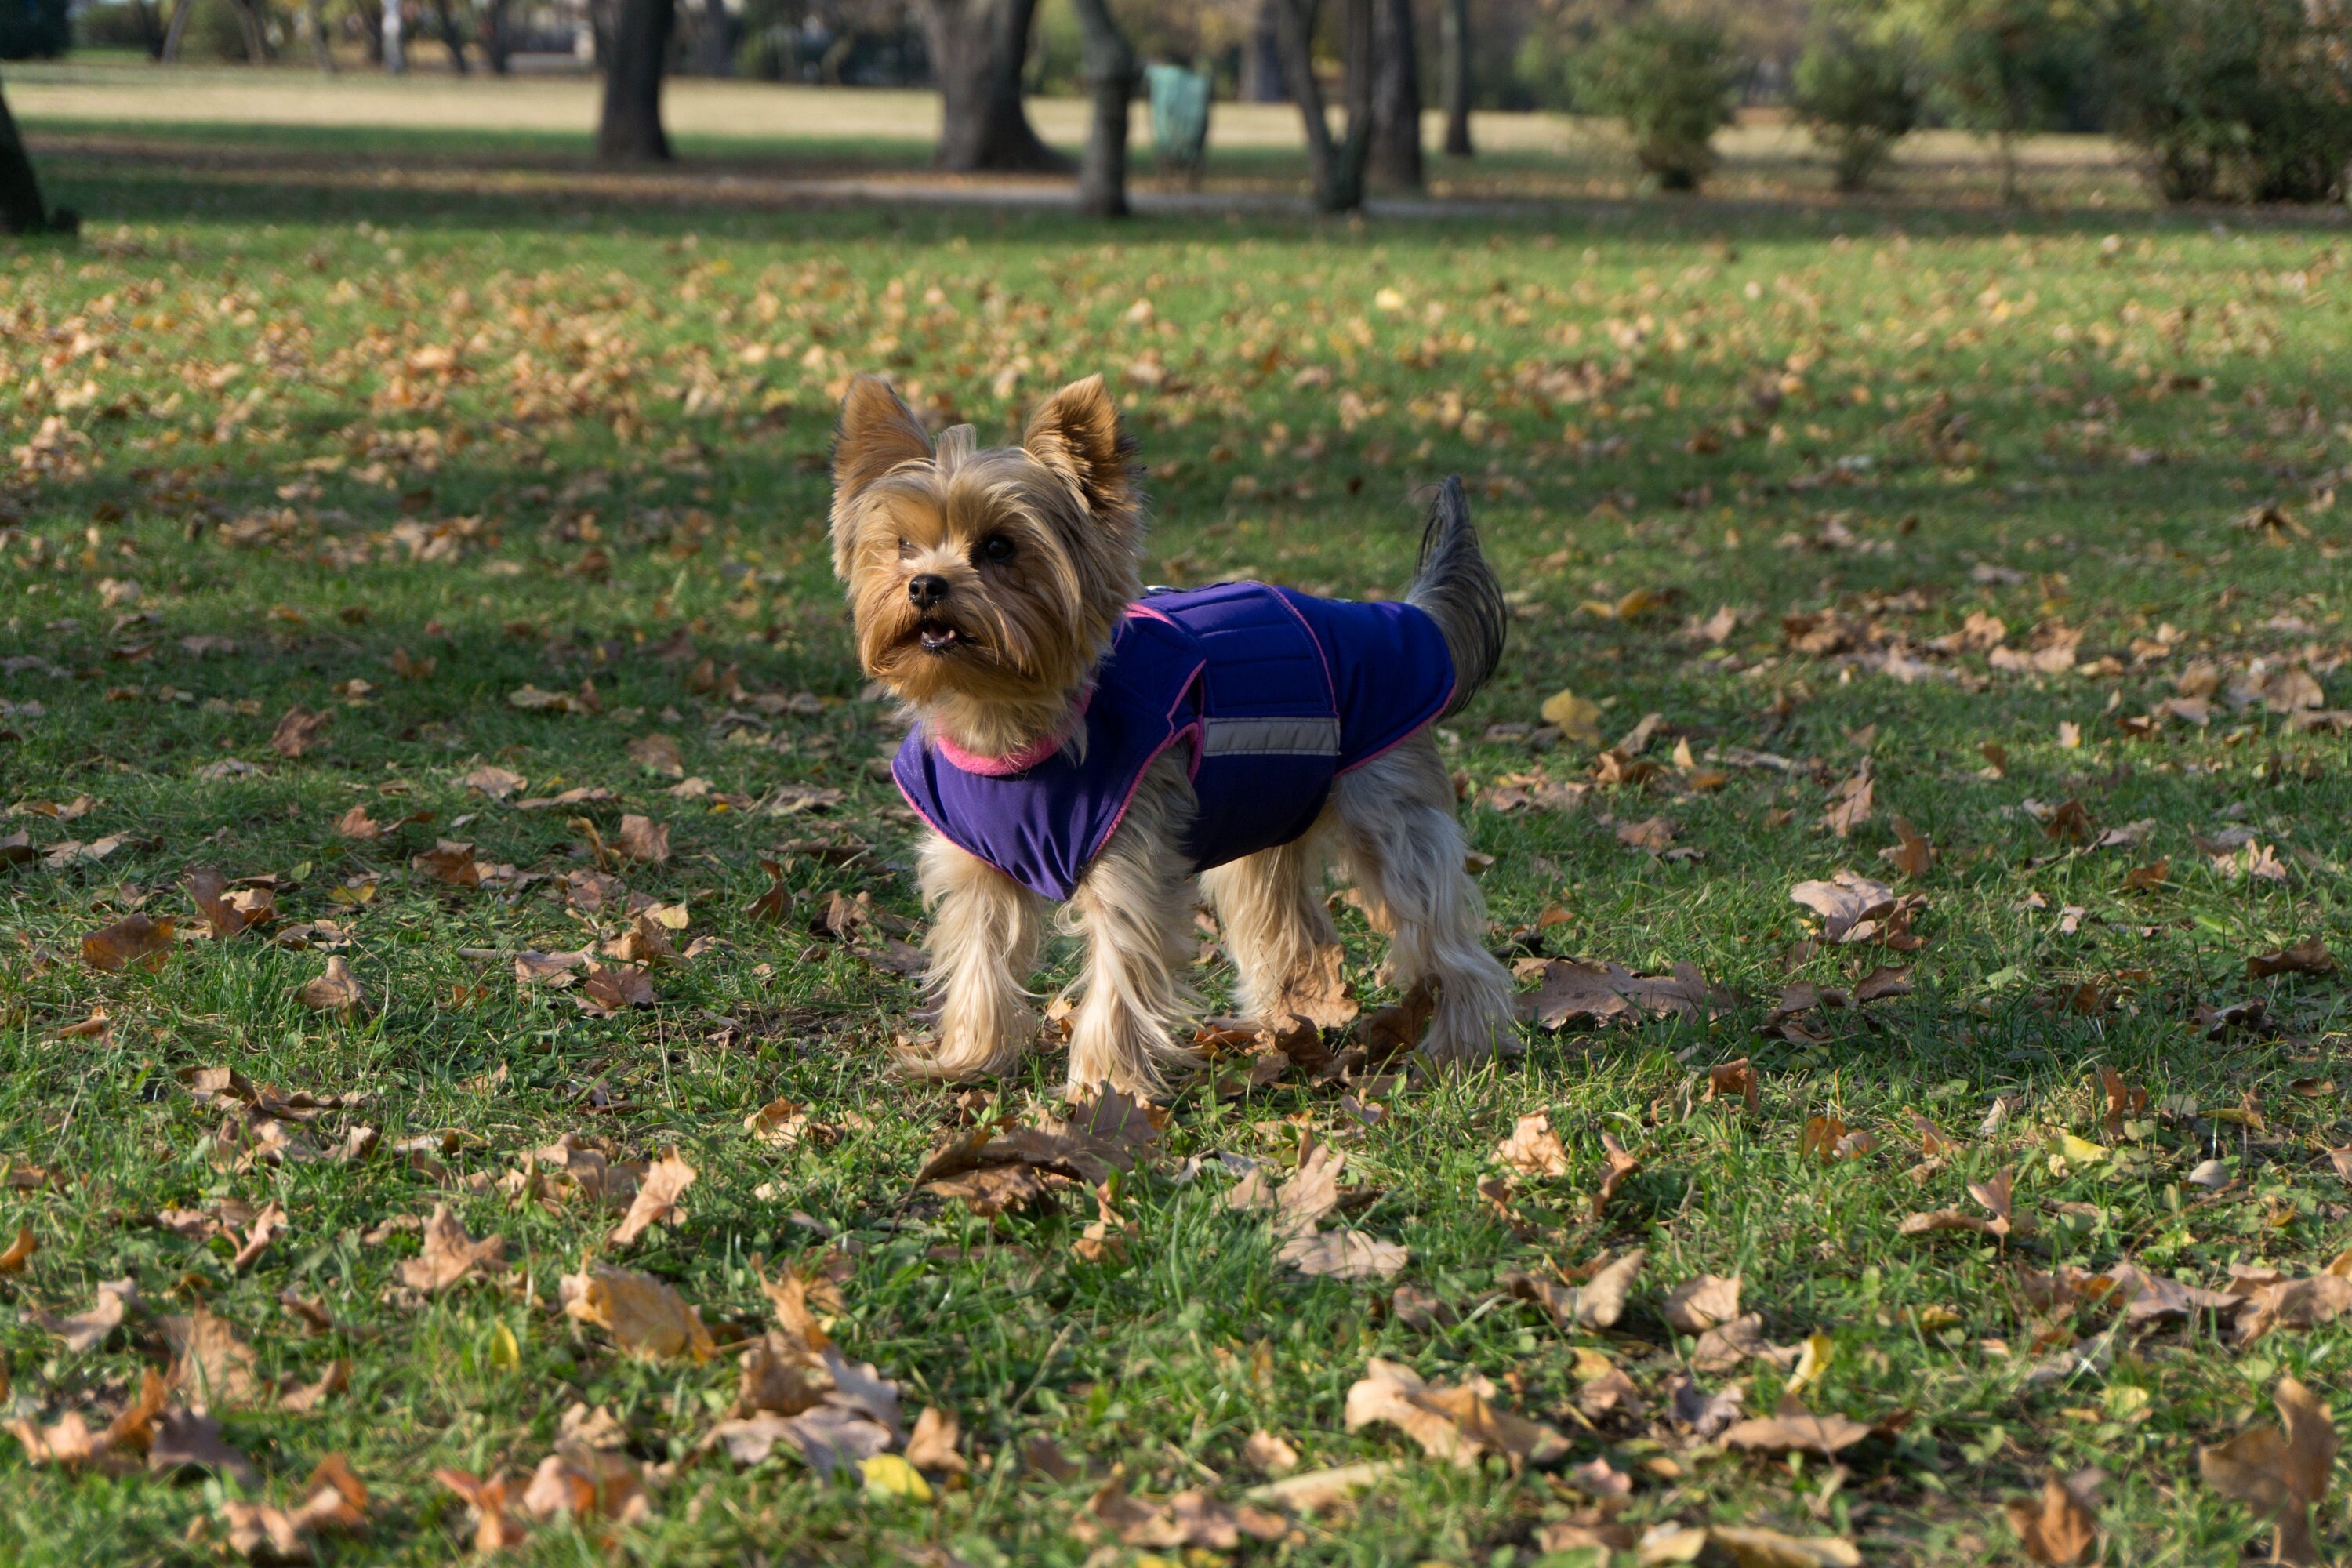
(937, 637)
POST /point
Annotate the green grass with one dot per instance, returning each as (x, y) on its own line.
(1958, 392)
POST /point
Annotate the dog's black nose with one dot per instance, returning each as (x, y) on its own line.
(928, 589)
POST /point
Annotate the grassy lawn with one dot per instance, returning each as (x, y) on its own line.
(397, 456)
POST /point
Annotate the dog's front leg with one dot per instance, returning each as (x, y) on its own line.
(1133, 910)
(982, 946)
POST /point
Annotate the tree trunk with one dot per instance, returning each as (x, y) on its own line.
(1458, 83)
(1395, 160)
(451, 38)
(632, 127)
(714, 49)
(1108, 66)
(496, 46)
(257, 42)
(322, 48)
(395, 56)
(22, 211)
(977, 48)
(150, 37)
(1261, 72)
(176, 29)
(1338, 171)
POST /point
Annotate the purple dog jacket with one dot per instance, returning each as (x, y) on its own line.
(1276, 693)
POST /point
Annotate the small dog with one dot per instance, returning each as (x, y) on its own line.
(1079, 742)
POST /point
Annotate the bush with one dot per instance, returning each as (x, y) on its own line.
(1670, 79)
(216, 32)
(109, 25)
(34, 29)
(1856, 87)
(2245, 101)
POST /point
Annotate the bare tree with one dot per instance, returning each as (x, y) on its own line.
(976, 48)
(631, 128)
(1458, 83)
(396, 54)
(151, 35)
(498, 42)
(314, 17)
(1336, 168)
(1110, 67)
(714, 40)
(452, 39)
(1395, 156)
(22, 210)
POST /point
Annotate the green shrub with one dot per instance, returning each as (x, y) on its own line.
(109, 25)
(34, 29)
(2244, 100)
(1856, 87)
(215, 32)
(1670, 79)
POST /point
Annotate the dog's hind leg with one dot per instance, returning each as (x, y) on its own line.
(1271, 920)
(1405, 852)
(982, 946)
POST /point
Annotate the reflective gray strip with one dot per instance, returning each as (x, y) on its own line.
(1271, 737)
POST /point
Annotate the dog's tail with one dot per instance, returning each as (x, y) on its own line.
(1460, 591)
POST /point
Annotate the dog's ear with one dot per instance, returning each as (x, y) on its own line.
(877, 432)
(1077, 434)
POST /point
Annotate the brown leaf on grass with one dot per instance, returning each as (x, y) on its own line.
(449, 862)
(1460, 1423)
(1706, 1302)
(1729, 1346)
(1912, 855)
(665, 1180)
(1533, 1148)
(1191, 1518)
(2060, 1526)
(659, 754)
(451, 1256)
(133, 939)
(190, 1440)
(1388, 1033)
(1747, 1546)
(1828, 1138)
(2309, 956)
(265, 1229)
(1655, 834)
(493, 781)
(1735, 1078)
(642, 841)
(19, 1252)
(1319, 992)
(997, 1189)
(1882, 983)
(1041, 1453)
(611, 988)
(1619, 1166)
(1344, 1255)
(583, 1483)
(229, 913)
(210, 1364)
(1597, 1303)
(334, 1499)
(2280, 1471)
(932, 1445)
(87, 1330)
(645, 1316)
(337, 990)
(494, 1529)
(359, 826)
(2123, 1100)
(1847, 903)
(1263, 1452)
(1934, 1141)
(298, 730)
(1851, 807)
(1317, 1491)
(1569, 993)
(1795, 1429)
(303, 1398)
(772, 906)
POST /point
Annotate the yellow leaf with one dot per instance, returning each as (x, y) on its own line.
(1931, 1319)
(1814, 1362)
(2081, 1151)
(505, 1349)
(1578, 718)
(892, 1474)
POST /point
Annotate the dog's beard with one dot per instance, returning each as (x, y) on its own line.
(976, 648)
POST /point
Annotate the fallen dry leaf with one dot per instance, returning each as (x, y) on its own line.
(2060, 1526)
(1795, 1429)
(932, 1445)
(611, 988)
(580, 1482)
(1344, 1255)
(642, 841)
(665, 1180)
(449, 862)
(451, 1256)
(2280, 1471)
(1533, 1148)
(1460, 1423)
(88, 1330)
(1190, 1519)
(20, 1251)
(1262, 1451)
(494, 1529)
(1573, 994)
(228, 911)
(134, 939)
(1597, 1303)
(337, 990)
(1706, 1302)
(298, 730)
(211, 1363)
(334, 1499)
(2309, 956)
(645, 1316)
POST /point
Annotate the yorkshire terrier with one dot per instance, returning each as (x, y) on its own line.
(1077, 740)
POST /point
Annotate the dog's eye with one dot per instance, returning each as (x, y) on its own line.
(906, 548)
(996, 548)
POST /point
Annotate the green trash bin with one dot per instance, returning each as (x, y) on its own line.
(1180, 118)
